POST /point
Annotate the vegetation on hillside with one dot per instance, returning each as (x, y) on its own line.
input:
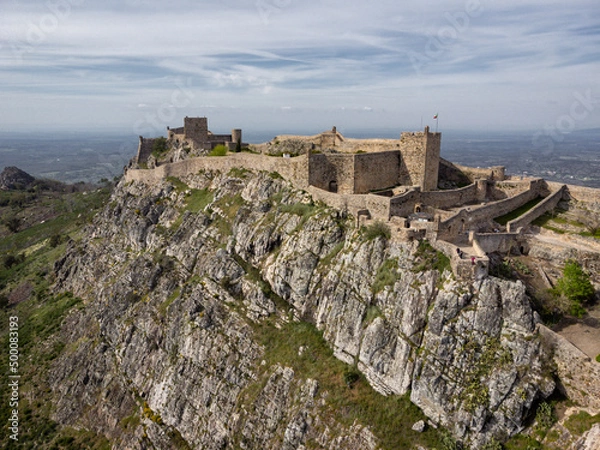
(48, 221)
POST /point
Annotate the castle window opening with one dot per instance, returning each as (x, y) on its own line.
(333, 187)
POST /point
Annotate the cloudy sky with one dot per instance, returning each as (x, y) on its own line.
(291, 65)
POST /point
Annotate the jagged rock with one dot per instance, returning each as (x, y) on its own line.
(419, 426)
(173, 299)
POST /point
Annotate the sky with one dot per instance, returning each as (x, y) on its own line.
(288, 65)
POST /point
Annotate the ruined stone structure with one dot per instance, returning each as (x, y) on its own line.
(398, 186)
(144, 149)
(196, 134)
(416, 163)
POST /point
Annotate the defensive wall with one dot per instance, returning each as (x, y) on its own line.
(354, 174)
(484, 243)
(463, 268)
(578, 193)
(144, 149)
(376, 206)
(293, 169)
(465, 219)
(548, 204)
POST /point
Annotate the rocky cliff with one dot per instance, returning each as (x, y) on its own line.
(230, 311)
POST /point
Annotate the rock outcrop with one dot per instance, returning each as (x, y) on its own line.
(14, 178)
(188, 285)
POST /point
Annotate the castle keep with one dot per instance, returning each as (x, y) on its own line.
(415, 163)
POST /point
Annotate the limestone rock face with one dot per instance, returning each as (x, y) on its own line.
(177, 297)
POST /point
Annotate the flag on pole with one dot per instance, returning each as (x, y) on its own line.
(435, 116)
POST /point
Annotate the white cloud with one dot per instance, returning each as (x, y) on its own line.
(514, 64)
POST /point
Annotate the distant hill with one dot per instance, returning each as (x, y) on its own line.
(13, 178)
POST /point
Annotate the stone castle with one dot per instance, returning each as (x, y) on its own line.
(398, 185)
(194, 135)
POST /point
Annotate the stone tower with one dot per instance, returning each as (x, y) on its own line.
(432, 160)
(196, 129)
(420, 159)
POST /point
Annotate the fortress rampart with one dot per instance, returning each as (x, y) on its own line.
(293, 169)
(548, 204)
(398, 186)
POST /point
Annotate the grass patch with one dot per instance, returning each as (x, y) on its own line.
(387, 275)
(239, 172)
(198, 199)
(581, 422)
(299, 209)
(428, 258)
(348, 392)
(372, 313)
(326, 261)
(179, 185)
(375, 230)
(219, 150)
(503, 220)
(522, 442)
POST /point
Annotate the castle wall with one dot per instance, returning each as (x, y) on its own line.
(495, 173)
(505, 189)
(494, 242)
(548, 204)
(144, 149)
(374, 171)
(404, 204)
(378, 207)
(325, 170)
(451, 198)
(220, 138)
(579, 193)
(293, 169)
(468, 218)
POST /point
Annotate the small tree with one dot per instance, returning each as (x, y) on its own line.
(575, 283)
(159, 147)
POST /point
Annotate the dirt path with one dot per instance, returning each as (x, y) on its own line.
(585, 335)
(568, 241)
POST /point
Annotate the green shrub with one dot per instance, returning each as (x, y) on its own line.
(377, 229)
(545, 417)
(219, 150)
(55, 240)
(351, 376)
(159, 147)
(598, 358)
(575, 284)
(493, 444)
(13, 224)
(430, 259)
